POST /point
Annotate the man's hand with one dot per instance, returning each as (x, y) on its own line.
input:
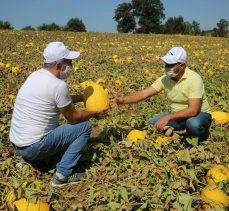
(77, 98)
(114, 103)
(162, 122)
(100, 114)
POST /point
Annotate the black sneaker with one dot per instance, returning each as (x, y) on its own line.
(72, 179)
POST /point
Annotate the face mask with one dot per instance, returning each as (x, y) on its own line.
(170, 72)
(64, 74)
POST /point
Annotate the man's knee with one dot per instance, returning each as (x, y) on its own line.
(193, 123)
(195, 127)
(87, 127)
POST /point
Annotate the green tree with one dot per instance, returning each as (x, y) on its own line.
(5, 25)
(141, 16)
(49, 27)
(149, 14)
(195, 28)
(75, 25)
(28, 28)
(222, 30)
(214, 32)
(125, 18)
(175, 25)
(187, 28)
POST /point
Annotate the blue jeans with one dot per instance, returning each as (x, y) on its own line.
(66, 138)
(197, 126)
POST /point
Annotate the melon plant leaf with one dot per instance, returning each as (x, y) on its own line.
(183, 155)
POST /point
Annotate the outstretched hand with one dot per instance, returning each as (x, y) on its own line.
(116, 102)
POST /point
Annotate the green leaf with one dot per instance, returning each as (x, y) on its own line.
(183, 155)
(114, 205)
(128, 143)
(94, 157)
(192, 141)
(158, 190)
(186, 200)
(124, 194)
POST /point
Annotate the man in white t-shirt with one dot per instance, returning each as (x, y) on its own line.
(35, 131)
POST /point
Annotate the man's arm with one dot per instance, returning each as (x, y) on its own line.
(193, 109)
(77, 98)
(134, 97)
(74, 116)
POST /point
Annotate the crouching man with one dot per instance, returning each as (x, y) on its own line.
(35, 131)
(189, 108)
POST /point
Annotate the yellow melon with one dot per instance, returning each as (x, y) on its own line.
(2, 65)
(8, 65)
(220, 117)
(215, 197)
(217, 174)
(135, 135)
(23, 204)
(161, 140)
(95, 97)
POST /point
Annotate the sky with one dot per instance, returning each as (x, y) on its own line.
(97, 14)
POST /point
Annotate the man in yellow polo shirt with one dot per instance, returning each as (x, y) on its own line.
(185, 91)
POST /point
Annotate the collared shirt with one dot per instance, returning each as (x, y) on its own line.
(189, 86)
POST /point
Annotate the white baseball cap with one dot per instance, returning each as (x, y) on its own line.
(175, 55)
(56, 51)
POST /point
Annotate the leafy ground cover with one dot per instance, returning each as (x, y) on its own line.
(121, 175)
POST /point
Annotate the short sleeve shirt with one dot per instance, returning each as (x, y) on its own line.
(178, 93)
(36, 111)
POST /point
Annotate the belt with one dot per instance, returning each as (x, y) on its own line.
(19, 148)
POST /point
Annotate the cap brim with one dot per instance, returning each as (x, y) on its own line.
(73, 55)
(168, 59)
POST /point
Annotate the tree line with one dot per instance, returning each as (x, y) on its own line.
(139, 16)
(146, 16)
(74, 25)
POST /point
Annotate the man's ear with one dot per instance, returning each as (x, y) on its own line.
(183, 65)
(58, 65)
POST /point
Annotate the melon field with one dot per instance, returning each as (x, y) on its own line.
(121, 175)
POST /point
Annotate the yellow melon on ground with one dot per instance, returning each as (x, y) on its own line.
(135, 135)
(217, 174)
(24, 204)
(215, 197)
(2, 65)
(220, 117)
(161, 139)
(8, 65)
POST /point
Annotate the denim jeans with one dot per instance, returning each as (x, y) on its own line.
(66, 138)
(197, 126)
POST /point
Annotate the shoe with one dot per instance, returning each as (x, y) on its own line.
(59, 180)
(43, 166)
(22, 163)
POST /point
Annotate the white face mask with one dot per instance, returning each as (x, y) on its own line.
(169, 71)
(64, 74)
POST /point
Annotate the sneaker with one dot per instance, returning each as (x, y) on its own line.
(43, 166)
(59, 180)
(22, 163)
